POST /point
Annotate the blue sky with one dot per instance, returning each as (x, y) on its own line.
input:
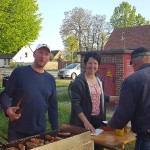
(53, 15)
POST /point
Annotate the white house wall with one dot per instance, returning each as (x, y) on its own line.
(1, 62)
(21, 56)
(4, 62)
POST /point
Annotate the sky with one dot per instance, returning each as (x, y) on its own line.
(53, 15)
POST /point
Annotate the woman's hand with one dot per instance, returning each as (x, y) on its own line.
(11, 113)
(89, 126)
(86, 123)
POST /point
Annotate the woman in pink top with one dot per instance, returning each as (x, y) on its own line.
(87, 96)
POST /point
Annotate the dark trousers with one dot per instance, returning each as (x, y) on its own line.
(98, 147)
(96, 122)
(142, 144)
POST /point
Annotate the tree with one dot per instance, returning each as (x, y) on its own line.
(72, 47)
(19, 24)
(96, 33)
(125, 16)
(86, 28)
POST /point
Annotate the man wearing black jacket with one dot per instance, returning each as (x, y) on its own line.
(134, 101)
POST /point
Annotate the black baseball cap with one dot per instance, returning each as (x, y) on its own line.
(141, 51)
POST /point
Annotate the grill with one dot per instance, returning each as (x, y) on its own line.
(32, 142)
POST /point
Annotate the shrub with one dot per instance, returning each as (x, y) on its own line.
(12, 64)
(18, 65)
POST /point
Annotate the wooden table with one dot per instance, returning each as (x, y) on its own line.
(110, 140)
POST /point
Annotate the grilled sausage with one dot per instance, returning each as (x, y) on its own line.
(64, 134)
(49, 137)
(12, 148)
(21, 146)
(30, 145)
(37, 140)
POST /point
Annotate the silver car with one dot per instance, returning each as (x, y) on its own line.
(70, 71)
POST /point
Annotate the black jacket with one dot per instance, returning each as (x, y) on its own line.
(81, 101)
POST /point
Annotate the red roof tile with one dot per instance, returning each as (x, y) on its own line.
(129, 38)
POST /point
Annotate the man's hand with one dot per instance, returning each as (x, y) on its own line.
(107, 128)
(11, 113)
(114, 99)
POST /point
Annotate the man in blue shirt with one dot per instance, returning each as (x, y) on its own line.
(134, 101)
(37, 89)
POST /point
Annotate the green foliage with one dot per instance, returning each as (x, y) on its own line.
(72, 47)
(19, 65)
(19, 24)
(125, 16)
(12, 64)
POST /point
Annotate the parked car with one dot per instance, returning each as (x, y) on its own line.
(70, 71)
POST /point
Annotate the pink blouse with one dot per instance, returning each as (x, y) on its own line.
(95, 91)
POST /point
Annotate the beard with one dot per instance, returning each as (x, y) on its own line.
(40, 64)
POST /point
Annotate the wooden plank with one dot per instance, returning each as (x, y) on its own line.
(67, 143)
(86, 146)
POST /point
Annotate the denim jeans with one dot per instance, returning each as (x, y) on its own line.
(142, 144)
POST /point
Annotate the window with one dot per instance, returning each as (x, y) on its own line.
(5, 61)
(26, 54)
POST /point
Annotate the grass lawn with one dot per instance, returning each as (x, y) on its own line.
(63, 109)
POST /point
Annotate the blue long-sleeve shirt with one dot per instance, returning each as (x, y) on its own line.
(39, 91)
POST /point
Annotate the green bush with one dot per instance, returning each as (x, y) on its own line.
(12, 64)
(19, 65)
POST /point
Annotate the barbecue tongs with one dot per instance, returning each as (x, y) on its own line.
(18, 111)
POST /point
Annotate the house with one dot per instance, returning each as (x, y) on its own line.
(57, 54)
(5, 59)
(54, 64)
(24, 55)
(115, 63)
